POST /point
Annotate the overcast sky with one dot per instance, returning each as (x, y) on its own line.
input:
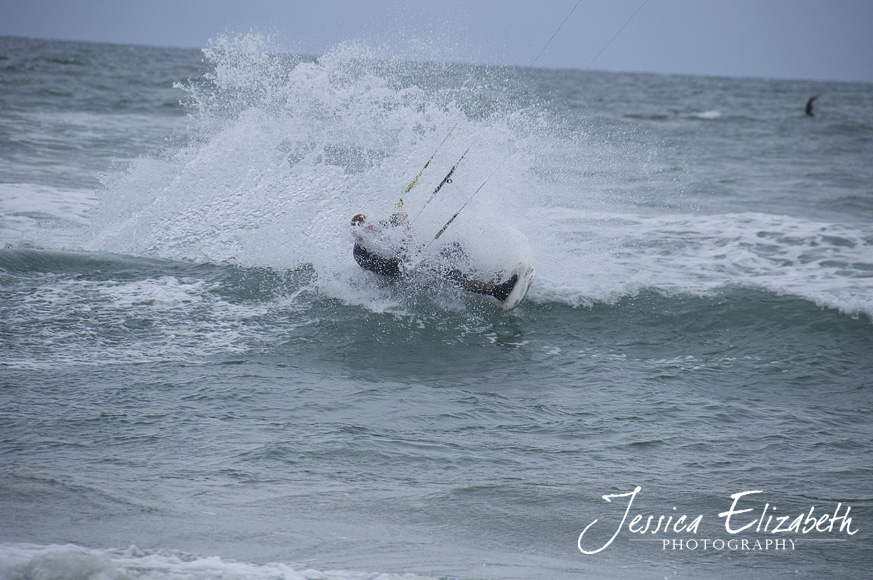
(803, 39)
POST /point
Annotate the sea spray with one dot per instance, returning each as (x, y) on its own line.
(284, 150)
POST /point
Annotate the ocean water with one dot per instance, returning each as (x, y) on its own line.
(198, 382)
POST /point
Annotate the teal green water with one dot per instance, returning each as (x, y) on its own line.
(197, 381)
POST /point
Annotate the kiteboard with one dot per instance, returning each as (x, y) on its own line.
(524, 274)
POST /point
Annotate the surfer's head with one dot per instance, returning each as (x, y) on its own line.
(361, 228)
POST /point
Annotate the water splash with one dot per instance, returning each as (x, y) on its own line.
(284, 150)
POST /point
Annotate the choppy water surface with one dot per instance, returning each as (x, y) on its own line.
(197, 381)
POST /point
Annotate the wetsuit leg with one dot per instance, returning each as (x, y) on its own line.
(499, 291)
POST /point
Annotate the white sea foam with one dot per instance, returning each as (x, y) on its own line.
(32, 213)
(78, 321)
(62, 562)
(612, 256)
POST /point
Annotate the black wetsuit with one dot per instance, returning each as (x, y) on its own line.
(376, 263)
(809, 103)
(390, 267)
